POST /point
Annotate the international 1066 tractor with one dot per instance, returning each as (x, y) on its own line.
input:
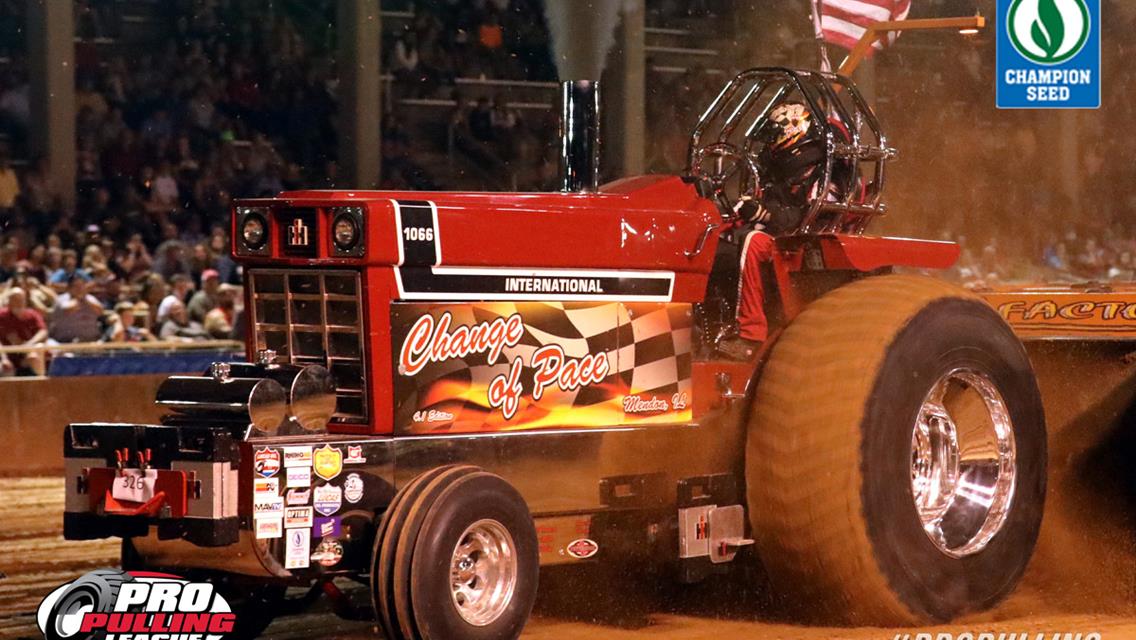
(448, 393)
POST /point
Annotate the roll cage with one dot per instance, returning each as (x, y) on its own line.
(847, 125)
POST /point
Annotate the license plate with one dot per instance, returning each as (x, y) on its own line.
(134, 485)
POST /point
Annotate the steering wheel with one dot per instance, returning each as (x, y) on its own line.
(730, 173)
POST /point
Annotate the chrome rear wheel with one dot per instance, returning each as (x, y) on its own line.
(963, 462)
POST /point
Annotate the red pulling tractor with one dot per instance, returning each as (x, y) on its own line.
(449, 392)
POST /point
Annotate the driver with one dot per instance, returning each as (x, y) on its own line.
(792, 162)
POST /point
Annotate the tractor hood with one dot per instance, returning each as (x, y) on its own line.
(640, 223)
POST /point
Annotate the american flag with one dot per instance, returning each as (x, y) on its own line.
(844, 21)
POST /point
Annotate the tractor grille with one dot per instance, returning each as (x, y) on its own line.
(314, 317)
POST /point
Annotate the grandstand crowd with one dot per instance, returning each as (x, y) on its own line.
(238, 102)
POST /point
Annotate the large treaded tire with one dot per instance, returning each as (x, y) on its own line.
(387, 575)
(411, 576)
(828, 454)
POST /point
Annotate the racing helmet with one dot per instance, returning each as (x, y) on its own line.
(793, 154)
(790, 124)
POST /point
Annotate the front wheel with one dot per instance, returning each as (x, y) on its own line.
(896, 455)
(456, 558)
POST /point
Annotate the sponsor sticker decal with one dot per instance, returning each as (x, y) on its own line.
(266, 462)
(328, 553)
(295, 517)
(327, 461)
(268, 528)
(353, 488)
(354, 454)
(117, 605)
(298, 550)
(266, 485)
(327, 499)
(327, 528)
(582, 548)
(298, 456)
(267, 507)
(299, 477)
(298, 497)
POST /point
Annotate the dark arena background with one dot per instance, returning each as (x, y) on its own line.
(129, 127)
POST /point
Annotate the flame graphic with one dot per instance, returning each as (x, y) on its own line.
(469, 404)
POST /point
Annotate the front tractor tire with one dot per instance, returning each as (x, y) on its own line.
(456, 558)
(896, 455)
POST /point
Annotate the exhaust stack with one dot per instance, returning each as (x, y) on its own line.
(580, 135)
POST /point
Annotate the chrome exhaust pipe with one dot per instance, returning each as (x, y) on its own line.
(579, 135)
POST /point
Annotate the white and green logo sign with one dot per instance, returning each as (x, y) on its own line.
(1048, 31)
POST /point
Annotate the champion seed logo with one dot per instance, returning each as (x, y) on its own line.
(1049, 54)
(1048, 31)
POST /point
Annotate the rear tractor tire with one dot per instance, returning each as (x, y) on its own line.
(456, 558)
(896, 455)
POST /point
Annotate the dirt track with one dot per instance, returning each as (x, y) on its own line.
(1082, 578)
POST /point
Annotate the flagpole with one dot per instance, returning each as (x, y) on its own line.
(822, 47)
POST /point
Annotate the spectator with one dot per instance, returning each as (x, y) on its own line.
(205, 300)
(172, 256)
(142, 317)
(152, 292)
(62, 277)
(405, 63)
(481, 120)
(180, 288)
(39, 296)
(125, 326)
(503, 118)
(38, 194)
(9, 184)
(219, 321)
(20, 325)
(219, 247)
(8, 256)
(135, 260)
(77, 314)
(178, 326)
(15, 106)
(164, 188)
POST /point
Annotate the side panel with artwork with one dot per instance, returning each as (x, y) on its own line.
(497, 366)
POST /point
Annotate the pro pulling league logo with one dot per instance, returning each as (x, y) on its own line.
(118, 605)
(1049, 54)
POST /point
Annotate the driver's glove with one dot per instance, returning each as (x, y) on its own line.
(751, 210)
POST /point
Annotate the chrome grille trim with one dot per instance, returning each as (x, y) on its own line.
(314, 316)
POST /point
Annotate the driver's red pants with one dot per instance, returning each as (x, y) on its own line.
(757, 248)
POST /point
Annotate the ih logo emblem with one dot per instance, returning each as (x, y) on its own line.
(298, 233)
(1048, 54)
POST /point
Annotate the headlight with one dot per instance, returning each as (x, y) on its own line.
(348, 228)
(253, 231)
(346, 232)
